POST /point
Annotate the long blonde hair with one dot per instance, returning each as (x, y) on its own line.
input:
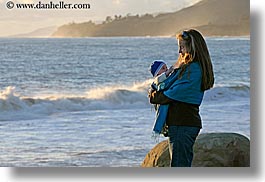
(196, 51)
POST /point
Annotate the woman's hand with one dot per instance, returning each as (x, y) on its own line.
(150, 91)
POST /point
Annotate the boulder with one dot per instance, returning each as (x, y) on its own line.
(210, 150)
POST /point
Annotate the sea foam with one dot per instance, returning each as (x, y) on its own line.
(16, 106)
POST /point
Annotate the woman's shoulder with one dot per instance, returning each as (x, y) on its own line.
(194, 69)
(195, 64)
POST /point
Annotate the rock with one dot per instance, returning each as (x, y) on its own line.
(210, 150)
(158, 156)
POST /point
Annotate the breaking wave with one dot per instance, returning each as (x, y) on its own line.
(16, 106)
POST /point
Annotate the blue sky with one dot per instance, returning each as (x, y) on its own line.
(17, 21)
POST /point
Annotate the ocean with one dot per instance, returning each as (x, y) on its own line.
(83, 101)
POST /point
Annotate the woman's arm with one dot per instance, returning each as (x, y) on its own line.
(157, 97)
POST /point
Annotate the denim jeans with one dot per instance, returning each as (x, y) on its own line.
(181, 141)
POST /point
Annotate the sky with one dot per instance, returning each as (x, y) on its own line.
(18, 21)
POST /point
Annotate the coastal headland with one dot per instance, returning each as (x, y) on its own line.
(211, 17)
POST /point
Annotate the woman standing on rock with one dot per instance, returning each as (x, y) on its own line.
(184, 90)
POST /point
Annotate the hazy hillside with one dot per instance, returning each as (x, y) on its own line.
(42, 32)
(211, 17)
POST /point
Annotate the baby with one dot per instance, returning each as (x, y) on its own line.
(160, 73)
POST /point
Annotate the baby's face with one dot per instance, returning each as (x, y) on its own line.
(162, 70)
